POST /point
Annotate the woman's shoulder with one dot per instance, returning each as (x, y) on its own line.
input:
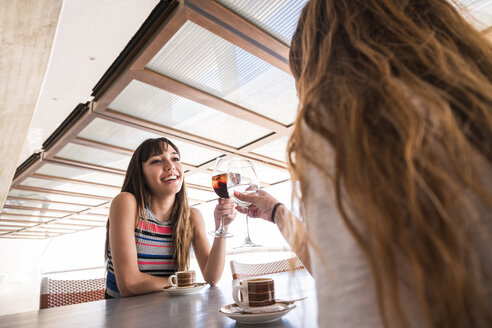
(125, 196)
(124, 199)
(123, 210)
(195, 213)
(195, 216)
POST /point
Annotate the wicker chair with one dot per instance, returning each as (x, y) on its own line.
(245, 270)
(65, 292)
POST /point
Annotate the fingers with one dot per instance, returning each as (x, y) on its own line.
(225, 201)
(227, 212)
(259, 199)
(246, 197)
(225, 204)
(251, 211)
(228, 218)
(224, 208)
(241, 210)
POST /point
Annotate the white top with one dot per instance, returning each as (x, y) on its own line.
(345, 286)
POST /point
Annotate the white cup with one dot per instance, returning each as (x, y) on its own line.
(182, 279)
(254, 292)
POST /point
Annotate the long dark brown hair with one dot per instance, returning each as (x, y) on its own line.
(135, 184)
(402, 91)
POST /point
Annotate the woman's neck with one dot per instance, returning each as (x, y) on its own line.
(162, 206)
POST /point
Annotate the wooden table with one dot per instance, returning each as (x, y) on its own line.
(164, 310)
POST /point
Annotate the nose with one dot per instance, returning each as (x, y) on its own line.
(169, 166)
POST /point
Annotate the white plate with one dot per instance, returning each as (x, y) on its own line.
(235, 312)
(185, 290)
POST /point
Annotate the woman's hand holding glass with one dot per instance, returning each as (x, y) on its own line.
(224, 211)
(219, 183)
(242, 177)
(261, 204)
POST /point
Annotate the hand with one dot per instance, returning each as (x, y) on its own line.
(261, 204)
(224, 209)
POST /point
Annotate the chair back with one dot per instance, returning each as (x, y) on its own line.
(65, 292)
(245, 270)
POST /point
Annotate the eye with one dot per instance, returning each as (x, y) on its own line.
(176, 159)
(155, 161)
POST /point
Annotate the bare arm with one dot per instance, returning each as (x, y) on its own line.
(211, 260)
(129, 279)
(288, 224)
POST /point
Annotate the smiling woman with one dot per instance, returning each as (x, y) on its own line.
(163, 171)
(151, 226)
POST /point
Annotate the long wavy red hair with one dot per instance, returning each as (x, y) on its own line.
(402, 91)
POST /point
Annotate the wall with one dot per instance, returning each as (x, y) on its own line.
(23, 262)
(28, 28)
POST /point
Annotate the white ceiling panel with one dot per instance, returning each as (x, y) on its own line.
(207, 62)
(70, 187)
(81, 174)
(480, 11)
(91, 155)
(276, 149)
(130, 138)
(54, 197)
(276, 17)
(158, 106)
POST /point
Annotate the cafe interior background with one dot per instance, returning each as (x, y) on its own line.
(85, 81)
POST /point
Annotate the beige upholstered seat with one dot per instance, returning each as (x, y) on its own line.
(245, 270)
(65, 292)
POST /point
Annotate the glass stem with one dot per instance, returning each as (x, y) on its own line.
(221, 224)
(247, 240)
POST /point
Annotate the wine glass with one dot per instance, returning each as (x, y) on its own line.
(241, 177)
(219, 183)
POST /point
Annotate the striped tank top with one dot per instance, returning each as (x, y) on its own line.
(155, 251)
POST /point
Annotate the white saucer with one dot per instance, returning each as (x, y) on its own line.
(262, 314)
(185, 290)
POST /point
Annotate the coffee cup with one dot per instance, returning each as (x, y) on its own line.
(182, 279)
(254, 292)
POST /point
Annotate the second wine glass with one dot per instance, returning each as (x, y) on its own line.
(241, 177)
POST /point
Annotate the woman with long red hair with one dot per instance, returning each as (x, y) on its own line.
(391, 163)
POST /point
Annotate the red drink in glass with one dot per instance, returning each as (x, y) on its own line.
(219, 183)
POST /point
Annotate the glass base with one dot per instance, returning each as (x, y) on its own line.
(221, 234)
(248, 244)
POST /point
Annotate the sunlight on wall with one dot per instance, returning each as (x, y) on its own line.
(25, 261)
(19, 274)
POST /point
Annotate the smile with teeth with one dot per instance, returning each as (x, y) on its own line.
(172, 177)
